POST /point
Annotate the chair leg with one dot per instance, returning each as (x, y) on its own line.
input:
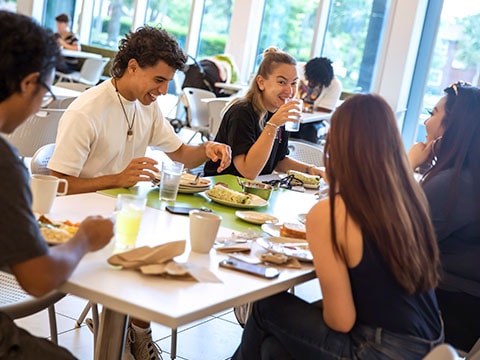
(53, 324)
(173, 345)
(84, 313)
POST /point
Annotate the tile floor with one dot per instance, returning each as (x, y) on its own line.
(212, 338)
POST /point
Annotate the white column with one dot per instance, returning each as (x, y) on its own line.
(243, 36)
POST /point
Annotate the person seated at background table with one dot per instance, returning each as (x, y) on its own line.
(374, 253)
(253, 125)
(27, 67)
(452, 187)
(66, 40)
(103, 135)
(320, 91)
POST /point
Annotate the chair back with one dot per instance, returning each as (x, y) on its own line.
(73, 86)
(91, 70)
(38, 130)
(215, 108)
(197, 110)
(310, 154)
(39, 162)
(61, 103)
(443, 352)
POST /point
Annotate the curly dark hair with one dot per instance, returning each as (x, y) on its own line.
(26, 47)
(319, 71)
(148, 45)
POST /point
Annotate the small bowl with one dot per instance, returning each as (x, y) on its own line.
(257, 188)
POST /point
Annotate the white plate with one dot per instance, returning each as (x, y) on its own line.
(295, 248)
(191, 190)
(187, 179)
(257, 202)
(311, 186)
(255, 217)
(272, 229)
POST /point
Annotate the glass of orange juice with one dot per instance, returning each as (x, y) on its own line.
(129, 213)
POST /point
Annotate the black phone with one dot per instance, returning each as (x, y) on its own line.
(267, 272)
(183, 210)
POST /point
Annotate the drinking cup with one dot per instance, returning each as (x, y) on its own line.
(293, 126)
(170, 180)
(129, 213)
(44, 190)
(203, 230)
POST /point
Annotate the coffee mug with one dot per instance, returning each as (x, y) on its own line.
(44, 190)
(203, 230)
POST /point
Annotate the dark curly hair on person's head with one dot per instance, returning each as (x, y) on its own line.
(25, 48)
(319, 71)
(148, 45)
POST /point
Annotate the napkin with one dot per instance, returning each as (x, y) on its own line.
(158, 260)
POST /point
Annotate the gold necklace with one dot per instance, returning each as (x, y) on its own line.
(130, 125)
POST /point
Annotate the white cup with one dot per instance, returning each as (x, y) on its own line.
(203, 230)
(170, 180)
(44, 190)
(293, 126)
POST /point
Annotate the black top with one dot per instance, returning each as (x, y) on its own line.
(240, 129)
(381, 302)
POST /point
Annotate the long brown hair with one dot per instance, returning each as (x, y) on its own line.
(272, 57)
(367, 164)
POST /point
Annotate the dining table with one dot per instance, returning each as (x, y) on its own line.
(167, 300)
(80, 54)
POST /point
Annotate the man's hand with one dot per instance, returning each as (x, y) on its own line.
(217, 151)
(97, 230)
(139, 169)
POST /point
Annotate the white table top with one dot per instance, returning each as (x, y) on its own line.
(314, 117)
(166, 301)
(80, 54)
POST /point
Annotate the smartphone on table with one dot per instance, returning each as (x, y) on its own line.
(184, 210)
(266, 272)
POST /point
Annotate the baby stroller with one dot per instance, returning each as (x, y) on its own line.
(202, 74)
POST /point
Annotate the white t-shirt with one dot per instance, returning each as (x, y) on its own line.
(92, 134)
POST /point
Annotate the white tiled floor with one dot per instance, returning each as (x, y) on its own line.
(212, 338)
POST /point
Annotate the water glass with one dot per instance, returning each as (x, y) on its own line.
(129, 213)
(170, 180)
(293, 126)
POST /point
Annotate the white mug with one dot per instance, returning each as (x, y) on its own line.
(203, 230)
(44, 191)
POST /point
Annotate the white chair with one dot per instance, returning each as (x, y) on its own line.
(443, 352)
(301, 151)
(16, 303)
(89, 74)
(38, 130)
(215, 108)
(61, 103)
(197, 111)
(73, 86)
(39, 162)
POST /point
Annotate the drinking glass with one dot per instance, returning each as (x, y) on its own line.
(129, 213)
(170, 180)
(293, 126)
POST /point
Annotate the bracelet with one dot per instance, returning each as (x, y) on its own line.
(273, 126)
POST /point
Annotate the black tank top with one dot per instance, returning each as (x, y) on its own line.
(381, 302)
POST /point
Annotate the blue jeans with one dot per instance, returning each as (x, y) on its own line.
(299, 332)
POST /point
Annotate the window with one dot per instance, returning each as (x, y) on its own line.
(456, 54)
(10, 5)
(57, 7)
(289, 25)
(112, 19)
(215, 27)
(172, 15)
(352, 40)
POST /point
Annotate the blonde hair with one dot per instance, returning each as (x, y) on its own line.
(272, 57)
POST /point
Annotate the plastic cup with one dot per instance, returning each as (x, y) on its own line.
(293, 126)
(170, 180)
(129, 213)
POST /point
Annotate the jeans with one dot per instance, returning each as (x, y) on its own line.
(284, 324)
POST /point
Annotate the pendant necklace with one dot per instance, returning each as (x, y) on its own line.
(130, 125)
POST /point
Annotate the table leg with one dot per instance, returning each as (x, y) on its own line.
(173, 345)
(111, 335)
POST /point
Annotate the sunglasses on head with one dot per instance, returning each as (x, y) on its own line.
(455, 86)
